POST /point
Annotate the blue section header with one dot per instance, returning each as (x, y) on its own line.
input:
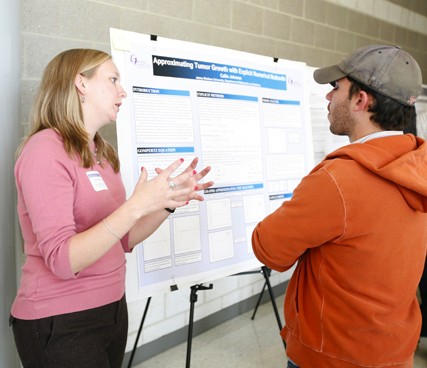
(148, 150)
(280, 102)
(158, 91)
(274, 197)
(201, 70)
(226, 96)
(233, 188)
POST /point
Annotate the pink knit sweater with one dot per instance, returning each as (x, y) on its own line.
(57, 198)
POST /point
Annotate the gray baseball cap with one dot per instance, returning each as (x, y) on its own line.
(387, 70)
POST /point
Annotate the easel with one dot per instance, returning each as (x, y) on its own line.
(193, 299)
(139, 332)
(266, 273)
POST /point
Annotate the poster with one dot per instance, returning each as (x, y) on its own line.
(245, 115)
(421, 109)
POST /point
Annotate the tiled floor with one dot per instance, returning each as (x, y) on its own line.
(242, 342)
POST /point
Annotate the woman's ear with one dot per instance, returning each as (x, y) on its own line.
(79, 82)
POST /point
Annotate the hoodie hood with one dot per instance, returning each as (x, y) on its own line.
(400, 159)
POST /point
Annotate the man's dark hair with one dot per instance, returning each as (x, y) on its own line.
(386, 112)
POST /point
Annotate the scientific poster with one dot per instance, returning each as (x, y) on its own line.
(421, 108)
(245, 115)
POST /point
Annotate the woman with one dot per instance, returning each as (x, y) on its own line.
(70, 310)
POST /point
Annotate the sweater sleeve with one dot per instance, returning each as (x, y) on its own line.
(314, 215)
(46, 196)
(125, 244)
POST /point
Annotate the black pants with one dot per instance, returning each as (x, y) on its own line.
(291, 365)
(94, 338)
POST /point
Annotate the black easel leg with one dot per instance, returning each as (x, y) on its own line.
(259, 300)
(193, 300)
(266, 272)
(139, 332)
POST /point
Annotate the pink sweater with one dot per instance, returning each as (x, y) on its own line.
(57, 198)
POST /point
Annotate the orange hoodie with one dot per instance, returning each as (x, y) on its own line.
(357, 226)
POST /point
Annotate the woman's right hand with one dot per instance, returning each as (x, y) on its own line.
(152, 195)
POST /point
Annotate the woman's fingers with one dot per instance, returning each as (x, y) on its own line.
(193, 164)
(172, 167)
(187, 173)
(204, 186)
(203, 173)
(189, 168)
(179, 190)
(143, 176)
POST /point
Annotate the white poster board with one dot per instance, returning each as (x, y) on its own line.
(245, 115)
(421, 108)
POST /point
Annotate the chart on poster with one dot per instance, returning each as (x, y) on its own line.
(245, 115)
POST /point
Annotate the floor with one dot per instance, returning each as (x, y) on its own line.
(241, 342)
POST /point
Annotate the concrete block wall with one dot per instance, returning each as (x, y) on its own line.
(318, 32)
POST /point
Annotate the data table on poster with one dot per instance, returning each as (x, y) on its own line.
(245, 115)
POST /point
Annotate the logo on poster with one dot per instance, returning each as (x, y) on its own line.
(139, 63)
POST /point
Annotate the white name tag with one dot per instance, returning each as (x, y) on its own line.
(96, 180)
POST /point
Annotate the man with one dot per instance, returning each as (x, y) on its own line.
(356, 225)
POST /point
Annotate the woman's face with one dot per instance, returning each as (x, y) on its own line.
(103, 98)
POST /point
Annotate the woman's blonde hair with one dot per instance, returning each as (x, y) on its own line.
(57, 106)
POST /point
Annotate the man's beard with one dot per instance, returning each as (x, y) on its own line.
(341, 122)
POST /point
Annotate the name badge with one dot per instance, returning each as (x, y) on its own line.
(96, 180)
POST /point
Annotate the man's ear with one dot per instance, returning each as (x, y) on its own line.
(79, 82)
(364, 100)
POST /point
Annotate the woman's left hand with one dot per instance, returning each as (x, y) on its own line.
(189, 178)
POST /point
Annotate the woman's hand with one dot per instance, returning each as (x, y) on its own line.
(189, 179)
(163, 191)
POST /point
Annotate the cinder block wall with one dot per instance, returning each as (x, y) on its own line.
(318, 32)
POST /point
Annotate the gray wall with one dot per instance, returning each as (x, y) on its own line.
(9, 117)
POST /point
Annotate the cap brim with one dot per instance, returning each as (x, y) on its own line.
(328, 74)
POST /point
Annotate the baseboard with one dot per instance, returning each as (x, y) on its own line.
(153, 348)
